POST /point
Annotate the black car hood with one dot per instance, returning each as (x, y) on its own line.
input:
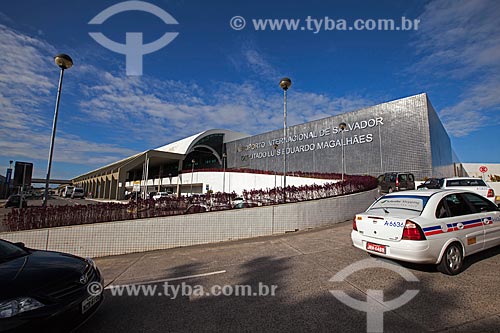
(38, 272)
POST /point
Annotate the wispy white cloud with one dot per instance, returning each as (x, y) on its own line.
(258, 63)
(70, 148)
(27, 94)
(460, 40)
(249, 59)
(158, 112)
(144, 106)
(478, 108)
(146, 110)
(464, 35)
(24, 85)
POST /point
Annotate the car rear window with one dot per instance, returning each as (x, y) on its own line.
(465, 182)
(407, 202)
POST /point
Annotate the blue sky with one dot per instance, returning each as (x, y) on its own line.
(213, 76)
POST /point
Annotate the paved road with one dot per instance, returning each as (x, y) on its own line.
(300, 265)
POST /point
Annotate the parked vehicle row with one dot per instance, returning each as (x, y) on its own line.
(465, 183)
(402, 181)
(72, 192)
(159, 195)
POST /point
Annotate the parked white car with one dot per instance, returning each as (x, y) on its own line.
(476, 185)
(160, 195)
(67, 191)
(78, 193)
(428, 226)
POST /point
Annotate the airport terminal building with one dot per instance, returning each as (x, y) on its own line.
(401, 135)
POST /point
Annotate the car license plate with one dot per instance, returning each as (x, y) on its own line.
(90, 302)
(375, 247)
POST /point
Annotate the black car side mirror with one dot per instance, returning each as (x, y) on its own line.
(20, 244)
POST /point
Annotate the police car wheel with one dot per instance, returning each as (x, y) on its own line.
(452, 261)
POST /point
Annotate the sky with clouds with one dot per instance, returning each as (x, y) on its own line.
(214, 76)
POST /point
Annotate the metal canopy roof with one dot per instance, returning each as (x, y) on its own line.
(172, 152)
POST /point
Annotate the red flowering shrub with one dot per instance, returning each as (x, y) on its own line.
(58, 216)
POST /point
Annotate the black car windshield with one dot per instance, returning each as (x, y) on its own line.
(10, 251)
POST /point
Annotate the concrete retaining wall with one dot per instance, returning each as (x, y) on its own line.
(112, 238)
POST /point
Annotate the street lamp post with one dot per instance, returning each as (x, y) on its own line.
(170, 187)
(8, 179)
(224, 157)
(64, 61)
(192, 173)
(342, 127)
(275, 146)
(285, 83)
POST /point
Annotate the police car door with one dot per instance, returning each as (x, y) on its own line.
(490, 216)
(464, 223)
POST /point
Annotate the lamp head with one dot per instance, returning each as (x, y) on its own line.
(285, 83)
(64, 61)
(342, 126)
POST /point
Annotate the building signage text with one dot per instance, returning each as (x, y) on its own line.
(322, 138)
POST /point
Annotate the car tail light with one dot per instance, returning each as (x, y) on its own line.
(397, 182)
(412, 231)
(491, 193)
(354, 226)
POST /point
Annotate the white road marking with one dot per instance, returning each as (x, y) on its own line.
(166, 280)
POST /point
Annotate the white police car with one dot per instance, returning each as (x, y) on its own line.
(430, 226)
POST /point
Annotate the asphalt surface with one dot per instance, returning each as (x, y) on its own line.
(301, 266)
